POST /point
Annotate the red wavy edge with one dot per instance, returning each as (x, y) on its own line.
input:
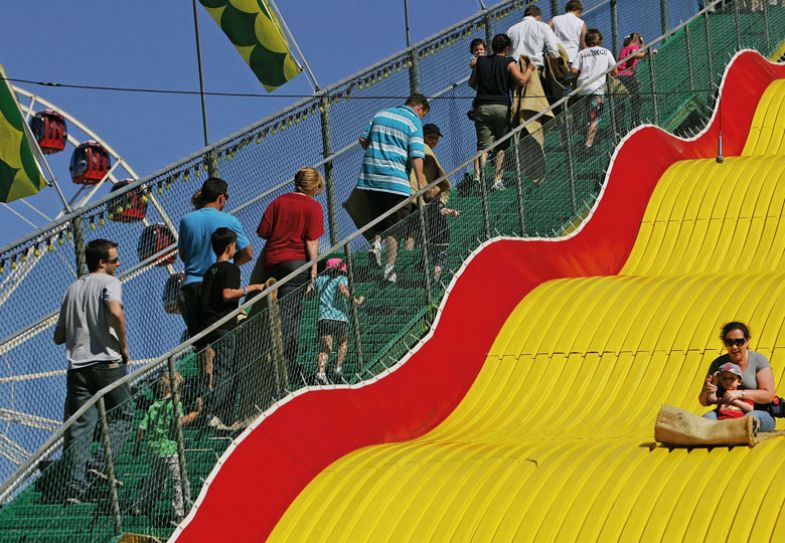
(270, 464)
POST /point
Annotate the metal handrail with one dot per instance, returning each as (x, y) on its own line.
(7, 487)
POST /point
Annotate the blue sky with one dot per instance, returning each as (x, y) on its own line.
(151, 44)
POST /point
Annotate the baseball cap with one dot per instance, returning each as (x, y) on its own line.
(730, 367)
(336, 263)
(431, 128)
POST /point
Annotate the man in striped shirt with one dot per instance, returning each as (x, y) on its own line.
(393, 143)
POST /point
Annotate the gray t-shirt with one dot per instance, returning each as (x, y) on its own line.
(85, 319)
(749, 378)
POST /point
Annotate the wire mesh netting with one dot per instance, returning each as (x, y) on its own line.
(550, 182)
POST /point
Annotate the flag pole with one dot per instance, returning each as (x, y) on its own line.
(311, 77)
(201, 76)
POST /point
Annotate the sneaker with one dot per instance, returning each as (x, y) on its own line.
(215, 422)
(321, 378)
(104, 477)
(498, 185)
(376, 253)
(391, 276)
(74, 500)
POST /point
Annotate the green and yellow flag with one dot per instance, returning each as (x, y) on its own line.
(20, 174)
(258, 36)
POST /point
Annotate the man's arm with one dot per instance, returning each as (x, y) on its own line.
(59, 336)
(583, 36)
(363, 143)
(417, 166)
(473, 77)
(117, 319)
(551, 42)
(246, 255)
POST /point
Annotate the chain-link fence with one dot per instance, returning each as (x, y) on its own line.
(258, 163)
(550, 182)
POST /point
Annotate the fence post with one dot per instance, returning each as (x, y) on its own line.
(175, 389)
(568, 120)
(653, 83)
(709, 59)
(274, 316)
(329, 175)
(106, 443)
(486, 214)
(77, 225)
(519, 181)
(766, 30)
(737, 22)
(358, 345)
(488, 28)
(664, 21)
(615, 26)
(425, 260)
(690, 69)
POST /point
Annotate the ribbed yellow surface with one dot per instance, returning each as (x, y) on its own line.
(554, 440)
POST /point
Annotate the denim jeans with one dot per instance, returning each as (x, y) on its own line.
(221, 401)
(766, 422)
(81, 385)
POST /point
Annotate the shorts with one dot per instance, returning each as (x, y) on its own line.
(491, 122)
(380, 203)
(596, 103)
(339, 330)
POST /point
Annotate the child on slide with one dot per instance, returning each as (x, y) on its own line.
(728, 377)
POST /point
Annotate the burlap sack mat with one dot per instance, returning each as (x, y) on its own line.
(679, 428)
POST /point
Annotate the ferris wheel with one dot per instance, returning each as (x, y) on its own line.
(93, 161)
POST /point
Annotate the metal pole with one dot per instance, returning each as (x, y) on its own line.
(308, 71)
(414, 79)
(105, 442)
(329, 174)
(737, 22)
(425, 260)
(358, 345)
(488, 23)
(201, 76)
(273, 312)
(519, 182)
(77, 224)
(567, 120)
(652, 83)
(664, 24)
(766, 29)
(615, 26)
(486, 214)
(690, 69)
(554, 7)
(184, 488)
(709, 60)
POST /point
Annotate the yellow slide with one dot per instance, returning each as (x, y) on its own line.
(553, 442)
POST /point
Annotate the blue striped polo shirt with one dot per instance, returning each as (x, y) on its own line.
(394, 137)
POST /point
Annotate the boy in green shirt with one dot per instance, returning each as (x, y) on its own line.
(159, 425)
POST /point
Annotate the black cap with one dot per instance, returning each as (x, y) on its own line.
(431, 128)
(213, 188)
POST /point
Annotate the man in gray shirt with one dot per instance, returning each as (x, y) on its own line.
(92, 326)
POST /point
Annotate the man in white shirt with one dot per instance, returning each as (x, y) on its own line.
(570, 29)
(533, 38)
(591, 65)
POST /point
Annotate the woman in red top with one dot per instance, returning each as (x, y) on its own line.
(292, 225)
